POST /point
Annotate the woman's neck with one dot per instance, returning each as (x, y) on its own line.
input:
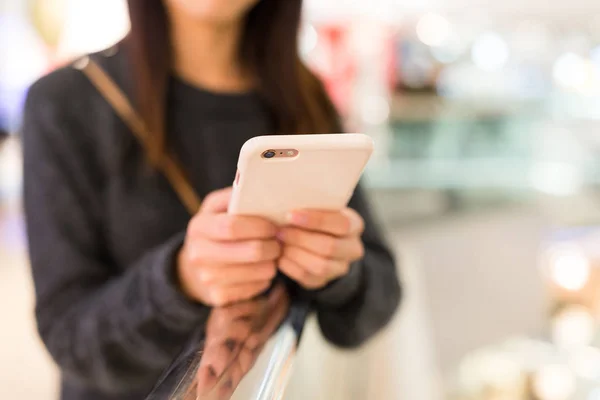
(206, 54)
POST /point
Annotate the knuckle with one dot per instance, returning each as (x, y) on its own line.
(277, 249)
(316, 219)
(265, 250)
(361, 223)
(192, 226)
(205, 276)
(210, 197)
(344, 269)
(256, 250)
(289, 252)
(218, 298)
(330, 246)
(302, 274)
(271, 271)
(229, 227)
(196, 252)
(360, 252)
(322, 267)
(312, 285)
(346, 225)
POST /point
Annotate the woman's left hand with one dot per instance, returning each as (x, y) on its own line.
(319, 246)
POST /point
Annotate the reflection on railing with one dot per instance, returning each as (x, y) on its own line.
(251, 343)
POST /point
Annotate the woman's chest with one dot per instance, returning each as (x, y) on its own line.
(142, 208)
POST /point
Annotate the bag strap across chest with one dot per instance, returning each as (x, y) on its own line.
(168, 165)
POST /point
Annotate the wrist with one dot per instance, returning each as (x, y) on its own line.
(182, 274)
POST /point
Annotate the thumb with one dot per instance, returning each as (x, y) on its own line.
(217, 201)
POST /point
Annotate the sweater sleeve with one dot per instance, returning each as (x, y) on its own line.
(354, 308)
(105, 328)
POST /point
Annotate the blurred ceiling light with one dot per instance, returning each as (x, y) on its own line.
(490, 369)
(573, 328)
(490, 52)
(433, 29)
(554, 382)
(569, 268)
(375, 110)
(451, 50)
(93, 25)
(586, 363)
(572, 71)
(556, 178)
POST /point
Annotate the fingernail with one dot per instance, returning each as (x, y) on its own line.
(297, 218)
(355, 223)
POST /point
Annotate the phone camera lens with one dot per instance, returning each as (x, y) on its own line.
(269, 154)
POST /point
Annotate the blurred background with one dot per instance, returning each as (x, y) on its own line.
(486, 117)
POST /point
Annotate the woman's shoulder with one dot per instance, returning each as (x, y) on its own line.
(67, 88)
(64, 108)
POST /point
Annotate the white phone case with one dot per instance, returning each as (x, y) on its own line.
(323, 175)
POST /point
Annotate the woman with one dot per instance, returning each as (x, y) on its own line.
(122, 275)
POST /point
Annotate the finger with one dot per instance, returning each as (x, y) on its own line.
(231, 227)
(233, 253)
(206, 379)
(217, 201)
(315, 264)
(214, 361)
(232, 294)
(235, 311)
(230, 381)
(232, 325)
(344, 248)
(231, 336)
(300, 275)
(232, 275)
(337, 223)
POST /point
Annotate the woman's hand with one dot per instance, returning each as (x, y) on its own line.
(319, 246)
(226, 258)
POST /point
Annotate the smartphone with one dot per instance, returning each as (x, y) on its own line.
(281, 173)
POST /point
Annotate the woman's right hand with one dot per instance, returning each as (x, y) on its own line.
(226, 258)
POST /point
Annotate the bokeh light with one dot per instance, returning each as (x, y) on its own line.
(490, 52)
(569, 268)
(573, 328)
(433, 29)
(554, 382)
(86, 29)
(586, 363)
(572, 71)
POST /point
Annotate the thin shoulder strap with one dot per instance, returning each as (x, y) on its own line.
(169, 166)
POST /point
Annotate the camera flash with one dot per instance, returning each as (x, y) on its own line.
(290, 153)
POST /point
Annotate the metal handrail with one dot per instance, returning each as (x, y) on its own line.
(254, 352)
(280, 365)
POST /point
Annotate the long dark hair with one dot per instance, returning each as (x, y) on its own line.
(293, 95)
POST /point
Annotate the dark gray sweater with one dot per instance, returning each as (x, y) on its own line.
(103, 231)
